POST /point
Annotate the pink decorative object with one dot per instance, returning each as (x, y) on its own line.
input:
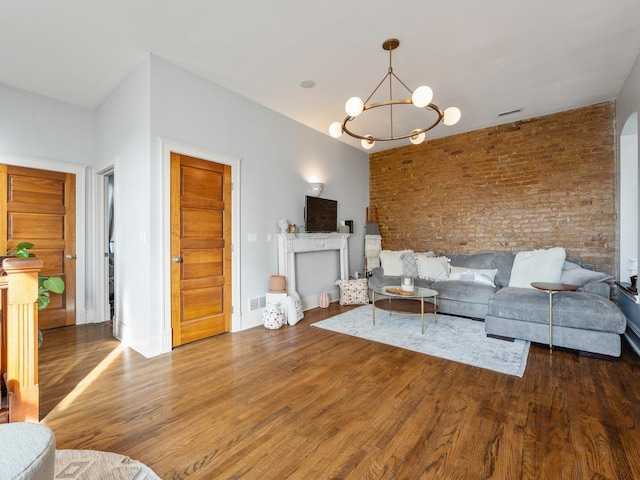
(353, 292)
(324, 300)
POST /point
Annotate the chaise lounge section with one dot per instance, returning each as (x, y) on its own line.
(582, 321)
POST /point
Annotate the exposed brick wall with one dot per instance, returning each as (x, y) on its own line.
(539, 183)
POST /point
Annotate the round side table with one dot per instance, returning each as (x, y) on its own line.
(552, 288)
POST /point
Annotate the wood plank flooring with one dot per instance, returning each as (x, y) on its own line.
(307, 403)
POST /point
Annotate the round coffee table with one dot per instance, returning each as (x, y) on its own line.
(552, 288)
(396, 293)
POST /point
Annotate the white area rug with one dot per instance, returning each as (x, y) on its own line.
(452, 338)
(94, 465)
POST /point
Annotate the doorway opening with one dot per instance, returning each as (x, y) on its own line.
(110, 244)
(628, 264)
(105, 259)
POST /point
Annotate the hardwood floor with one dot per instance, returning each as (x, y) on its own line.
(306, 403)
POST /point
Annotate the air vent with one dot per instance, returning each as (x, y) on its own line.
(256, 303)
(510, 112)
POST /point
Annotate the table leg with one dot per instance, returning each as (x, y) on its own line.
(550, 322)
(435, 309)
(422, 312)
(373, 305)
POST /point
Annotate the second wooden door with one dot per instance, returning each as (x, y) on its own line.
(200, 248)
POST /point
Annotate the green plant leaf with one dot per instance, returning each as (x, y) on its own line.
(54, 284)
(22, 250)
(43, 298)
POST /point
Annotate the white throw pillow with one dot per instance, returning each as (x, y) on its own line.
(294, 308)
(537, 266)
(391, 261)
(475, 275)
(433, 268)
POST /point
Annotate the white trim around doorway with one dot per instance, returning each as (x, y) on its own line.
(102, 310)
(80, 172)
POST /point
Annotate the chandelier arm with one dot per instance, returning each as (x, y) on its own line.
(401, 82)
(405, 101)
(376, 89)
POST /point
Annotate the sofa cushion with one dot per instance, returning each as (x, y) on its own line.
(473, 260)
(570, 309)
(433, 268)
(504, 264)
(391, 261)
(464, 291)
(537, 266)
(581, 276)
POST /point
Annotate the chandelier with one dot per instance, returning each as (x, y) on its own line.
(421, 98)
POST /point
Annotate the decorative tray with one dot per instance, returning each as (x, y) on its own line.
(397, 291)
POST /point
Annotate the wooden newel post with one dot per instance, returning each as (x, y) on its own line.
(22, 338)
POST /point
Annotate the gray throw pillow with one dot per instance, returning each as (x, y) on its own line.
(582, 276)
(409, 265)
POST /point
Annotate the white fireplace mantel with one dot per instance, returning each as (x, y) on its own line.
(289, 244)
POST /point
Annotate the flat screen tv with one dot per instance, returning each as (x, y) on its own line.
(320, 215)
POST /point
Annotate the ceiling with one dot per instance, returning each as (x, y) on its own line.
(489, 57)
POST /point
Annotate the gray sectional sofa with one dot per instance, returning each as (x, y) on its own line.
(586, 320)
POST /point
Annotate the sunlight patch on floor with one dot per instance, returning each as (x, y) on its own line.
(88, 380)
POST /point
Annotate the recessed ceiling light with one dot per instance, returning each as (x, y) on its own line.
(307, 84)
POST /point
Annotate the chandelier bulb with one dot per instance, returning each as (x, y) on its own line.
(335, 129)
(354, 106)
(451, 116)
(367, 143)
(417, 137)
(422, 96)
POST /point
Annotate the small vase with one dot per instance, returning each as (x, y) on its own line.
(324, 300)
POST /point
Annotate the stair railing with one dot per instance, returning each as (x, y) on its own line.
(19, 337)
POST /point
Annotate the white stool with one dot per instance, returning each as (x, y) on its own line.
(27, 451)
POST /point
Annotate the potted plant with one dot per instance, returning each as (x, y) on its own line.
(46, 285)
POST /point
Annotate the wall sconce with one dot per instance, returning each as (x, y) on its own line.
(315, 189)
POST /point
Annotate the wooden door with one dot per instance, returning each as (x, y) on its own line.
(200, 248)
(39, 206)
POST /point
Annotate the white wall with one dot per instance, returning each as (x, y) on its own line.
(40, 132)
(279, 158)
(123, 129)
(38, 126)
(627, 104)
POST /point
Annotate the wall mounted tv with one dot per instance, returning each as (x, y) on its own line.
(320, 215)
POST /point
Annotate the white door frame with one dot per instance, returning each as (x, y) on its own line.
(174, 146)
(101, 268)
(80, 172)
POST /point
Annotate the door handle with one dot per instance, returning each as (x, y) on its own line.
(69, 256)
(177, 260)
